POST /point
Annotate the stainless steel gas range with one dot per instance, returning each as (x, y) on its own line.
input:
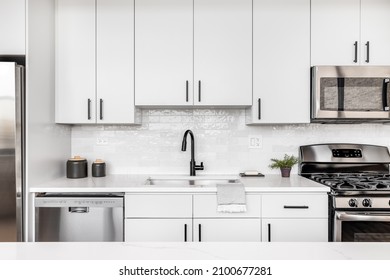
(359, 178)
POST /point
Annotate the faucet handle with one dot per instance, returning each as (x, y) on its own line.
(199, 167)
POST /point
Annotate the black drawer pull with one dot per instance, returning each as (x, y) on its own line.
(295, 207)
(269, 232)
(185, 232)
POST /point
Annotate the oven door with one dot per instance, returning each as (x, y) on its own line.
(350, 93)
(361, 226)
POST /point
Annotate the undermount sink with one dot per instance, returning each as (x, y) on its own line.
(191, 180)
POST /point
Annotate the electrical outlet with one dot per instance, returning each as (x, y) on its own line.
(255, 142)
(101, 141)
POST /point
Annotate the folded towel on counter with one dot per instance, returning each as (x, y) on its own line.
(231, 198)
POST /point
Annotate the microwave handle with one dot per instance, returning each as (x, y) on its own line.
(384, 94)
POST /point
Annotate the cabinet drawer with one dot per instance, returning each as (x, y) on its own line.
(206, 206)
(295, 206)
(156, 206)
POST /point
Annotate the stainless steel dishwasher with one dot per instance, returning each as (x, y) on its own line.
(79, 217)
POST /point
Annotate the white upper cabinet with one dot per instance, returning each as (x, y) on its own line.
(335, 31)
(12, 27)
(75, 61)
(115, 61)
(95, 61)
(223, 52)
(163, 51)
(281, 62)
(374, 31)
(181, 44)
(350, 32)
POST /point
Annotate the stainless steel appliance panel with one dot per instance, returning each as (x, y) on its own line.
(76, 219)
(361, 226)
(11, 151)
(350, 93)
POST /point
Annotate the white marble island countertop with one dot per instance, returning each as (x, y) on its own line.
(137, 183)
(195, 251)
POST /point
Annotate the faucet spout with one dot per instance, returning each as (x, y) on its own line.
(193, 166)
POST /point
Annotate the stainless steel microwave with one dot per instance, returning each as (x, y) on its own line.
(350, 94)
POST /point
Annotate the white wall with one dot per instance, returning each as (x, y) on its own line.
(12, 27)
(221, 138)
(48, 144)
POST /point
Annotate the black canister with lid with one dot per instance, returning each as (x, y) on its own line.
(76, 167)
(98, 168)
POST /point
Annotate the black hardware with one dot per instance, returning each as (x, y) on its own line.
(384, 94)
(101, 109)
(269, 232)
(193, 166)
(199, 90)
(295, 207)
(356, 50)
(259, 112)
(340, 93)
(186, 91)
(78, 209)
(185, 232)
(89, 109)
(200, 232)
(368, 51)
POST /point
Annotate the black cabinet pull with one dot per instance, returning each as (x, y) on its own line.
(185, 232)
(186, 91)
(368, 51)
(269, 232)
(295, 207)
(259, 109)
(200, 232)
(384, 94)
(89, 109)
(356, 50)
(199, 91)
(101, 109)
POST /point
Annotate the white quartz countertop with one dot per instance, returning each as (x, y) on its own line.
(136, 183)
(194, 251)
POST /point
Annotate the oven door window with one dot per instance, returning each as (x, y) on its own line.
(365, 231)
(354, 94)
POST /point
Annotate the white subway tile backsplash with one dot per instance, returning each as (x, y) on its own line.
(221, 138)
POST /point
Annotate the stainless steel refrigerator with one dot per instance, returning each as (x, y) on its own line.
(11, 151)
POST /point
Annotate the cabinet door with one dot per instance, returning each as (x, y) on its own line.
(75, 61)
(335, 28)
(281, 61)
(163, 52)
(223, 52)
(115, 61)
(158, 230)
(226, 230)
(12, 27)
(374, 30)
(295, 230)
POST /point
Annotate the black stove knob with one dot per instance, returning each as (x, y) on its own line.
(353, 202)
(366, 202)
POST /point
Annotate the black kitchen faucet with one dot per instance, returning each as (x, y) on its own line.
(193, 166)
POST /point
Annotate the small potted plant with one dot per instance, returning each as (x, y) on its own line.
(284, 164)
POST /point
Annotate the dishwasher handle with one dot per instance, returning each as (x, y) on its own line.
(78, 209)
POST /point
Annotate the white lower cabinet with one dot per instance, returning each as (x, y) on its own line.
(227, 230)
(300, 217)
(294, 230)
(158, 230)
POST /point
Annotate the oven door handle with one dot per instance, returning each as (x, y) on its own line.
(366, 217)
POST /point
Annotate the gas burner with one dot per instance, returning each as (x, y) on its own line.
(354, 181)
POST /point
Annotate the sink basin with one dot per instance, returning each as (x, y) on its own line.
(190, 181)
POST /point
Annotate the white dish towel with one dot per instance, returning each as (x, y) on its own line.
(231, 198)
